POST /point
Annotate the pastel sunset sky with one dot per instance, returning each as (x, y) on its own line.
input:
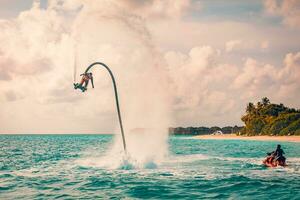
(176, 62)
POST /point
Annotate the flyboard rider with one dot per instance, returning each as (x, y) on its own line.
(86, 77)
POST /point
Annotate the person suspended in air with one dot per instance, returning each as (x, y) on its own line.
(86, 77)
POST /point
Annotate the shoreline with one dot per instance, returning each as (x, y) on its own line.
(254, 138)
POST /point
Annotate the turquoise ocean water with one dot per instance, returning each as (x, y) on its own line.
(53, 167)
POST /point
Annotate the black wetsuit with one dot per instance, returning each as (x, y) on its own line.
(279, 154)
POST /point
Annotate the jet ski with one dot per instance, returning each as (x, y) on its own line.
(270, 161)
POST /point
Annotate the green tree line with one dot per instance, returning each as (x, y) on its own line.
(266, 118)
(202, 130)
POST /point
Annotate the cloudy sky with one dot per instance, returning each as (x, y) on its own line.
(177, 62)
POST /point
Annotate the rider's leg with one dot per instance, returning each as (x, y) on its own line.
(81, 82)
(86, 83)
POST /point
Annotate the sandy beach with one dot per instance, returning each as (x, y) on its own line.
(258, 138)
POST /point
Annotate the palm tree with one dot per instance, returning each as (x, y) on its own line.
(265, 101)
(250, 108)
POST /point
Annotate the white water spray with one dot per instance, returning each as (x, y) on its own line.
(123, 42)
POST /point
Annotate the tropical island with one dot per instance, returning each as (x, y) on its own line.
(266, 118)
(261, 119)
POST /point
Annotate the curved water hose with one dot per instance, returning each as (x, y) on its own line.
(116, 97)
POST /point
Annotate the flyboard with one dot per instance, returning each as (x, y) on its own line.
(78, 86)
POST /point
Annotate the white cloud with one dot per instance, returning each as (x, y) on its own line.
(232, 45)
(37, 92)
(208, 89)
(264, 45)
(254, 73)
(159, 8)
(37, 63)
(289, 10)
(241, 45)
(199, 83)
(280, 83)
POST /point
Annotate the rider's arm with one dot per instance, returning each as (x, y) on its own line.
(92, 81)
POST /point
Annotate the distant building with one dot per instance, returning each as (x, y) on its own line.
(217, 133)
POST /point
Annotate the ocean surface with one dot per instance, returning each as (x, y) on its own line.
(59, 167)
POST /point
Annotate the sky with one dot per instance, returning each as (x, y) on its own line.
(176, 62)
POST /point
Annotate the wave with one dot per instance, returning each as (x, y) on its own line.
(206, 166)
